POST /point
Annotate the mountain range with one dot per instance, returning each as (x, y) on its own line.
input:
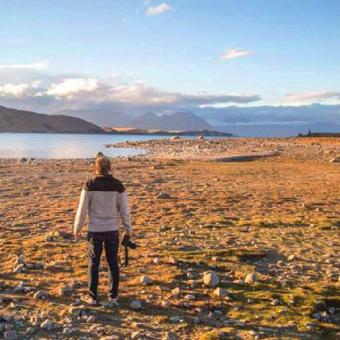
(180, 121)
(12, 120)
(253, 122)
(175, 122)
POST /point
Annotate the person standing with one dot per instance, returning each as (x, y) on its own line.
(104, 200)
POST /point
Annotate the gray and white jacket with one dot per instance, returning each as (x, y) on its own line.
(104, 200)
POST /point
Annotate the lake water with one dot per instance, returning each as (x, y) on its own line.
(56, 146)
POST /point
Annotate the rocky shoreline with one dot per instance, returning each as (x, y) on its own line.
(226, 249)
(316, 149)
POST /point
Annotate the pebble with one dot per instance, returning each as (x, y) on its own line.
(20, 260)
(75, 311)
(170, 336)
(136, 335)
(291, 258)
(65, 290)
(172, 260)
(250, 278)
(163, 195)
(67, 330)
(47, 324)
(40, 295)
(30, 330)
(91, 318)
(275, 302)
(190, 297)
(220, 292)
(210, 279)
(175, 319)
(176, 291)
(146, 280)
(19, 269)
(165, 303)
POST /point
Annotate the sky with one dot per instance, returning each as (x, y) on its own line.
(170, 55)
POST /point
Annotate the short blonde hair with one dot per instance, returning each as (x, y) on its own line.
(103, 166)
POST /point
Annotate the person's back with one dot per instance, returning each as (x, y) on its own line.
(104, 200)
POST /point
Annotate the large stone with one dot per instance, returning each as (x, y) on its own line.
(135, 305)
(211, 279)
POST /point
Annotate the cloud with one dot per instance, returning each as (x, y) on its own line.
(312, 96)
(34, 66)
(40, 91)
(159, 9)
(69, 87)
(233, 53)
(140, 94)
(13, 90)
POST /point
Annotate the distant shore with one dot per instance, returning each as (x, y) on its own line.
(137, 132)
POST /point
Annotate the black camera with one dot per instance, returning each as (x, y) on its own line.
(126, 242)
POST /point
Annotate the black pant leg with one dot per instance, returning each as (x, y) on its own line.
(111, 250)
(95, 251)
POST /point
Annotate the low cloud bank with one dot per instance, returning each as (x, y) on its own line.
(33, 88)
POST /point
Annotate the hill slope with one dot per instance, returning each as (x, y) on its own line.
(12, 120)
(177, 121)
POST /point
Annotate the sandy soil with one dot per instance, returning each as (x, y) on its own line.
(276, 217)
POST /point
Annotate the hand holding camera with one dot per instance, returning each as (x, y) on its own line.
(126, 241)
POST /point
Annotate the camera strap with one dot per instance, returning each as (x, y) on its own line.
(126, 252)
(126, 255)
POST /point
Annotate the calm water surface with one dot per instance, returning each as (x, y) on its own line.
(56, 146)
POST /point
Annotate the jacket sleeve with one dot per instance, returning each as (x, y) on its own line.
(83, 208)
(123, 207)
